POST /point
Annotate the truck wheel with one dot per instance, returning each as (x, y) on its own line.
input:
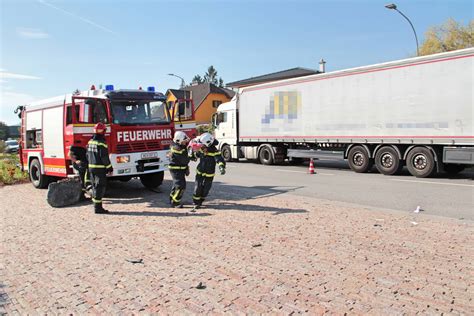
(359, 160)
(266, 156)
(452, 169)
(39, 181)
(152, 180)
(420, 162)
(226, 153)
(387, 161)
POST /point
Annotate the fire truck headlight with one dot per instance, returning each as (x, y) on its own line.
(123, 159)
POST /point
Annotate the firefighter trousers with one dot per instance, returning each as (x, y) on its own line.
(99, 185)
(202, 186)
(179, 185)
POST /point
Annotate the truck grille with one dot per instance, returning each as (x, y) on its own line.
(138, 147)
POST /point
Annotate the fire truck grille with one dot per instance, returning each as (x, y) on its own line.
(131, 147)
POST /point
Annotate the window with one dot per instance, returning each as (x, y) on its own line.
(221, 117)
(138, 112)
(69, 116)
(216, 103)
(34, 139)
(188, 111)
(93, 111)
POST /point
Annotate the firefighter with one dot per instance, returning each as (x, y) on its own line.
(208, 156)
(99, 166)
(79, 162)
(178, 167)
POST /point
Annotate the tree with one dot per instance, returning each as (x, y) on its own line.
(197, 79)
(448, 36)
(211, 75)
(4, 131)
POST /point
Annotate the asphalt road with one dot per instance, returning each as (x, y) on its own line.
(442, 195)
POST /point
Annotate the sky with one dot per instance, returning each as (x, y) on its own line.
(52, 47)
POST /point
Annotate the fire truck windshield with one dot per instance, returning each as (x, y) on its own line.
(142, 112)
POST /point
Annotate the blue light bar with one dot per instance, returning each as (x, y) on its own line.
(150, 89)
(109, 87)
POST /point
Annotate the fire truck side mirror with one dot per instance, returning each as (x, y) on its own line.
(181, 108)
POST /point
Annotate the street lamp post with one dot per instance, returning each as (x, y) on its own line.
(393, 6)
(183, 84)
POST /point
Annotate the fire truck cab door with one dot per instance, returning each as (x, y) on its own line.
(88, 112)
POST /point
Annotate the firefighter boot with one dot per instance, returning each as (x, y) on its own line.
(98, 209)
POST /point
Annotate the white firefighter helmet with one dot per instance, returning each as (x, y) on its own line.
(206, 139)
(180, 138)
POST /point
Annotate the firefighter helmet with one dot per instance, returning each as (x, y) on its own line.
(180, 138)
(100, 128)
(206, 139)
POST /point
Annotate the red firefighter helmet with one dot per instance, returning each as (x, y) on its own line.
(100, 128)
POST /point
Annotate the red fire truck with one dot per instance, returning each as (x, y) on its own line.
(140, 129)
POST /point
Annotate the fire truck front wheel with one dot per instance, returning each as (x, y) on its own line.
(152, 180)
(40, 181)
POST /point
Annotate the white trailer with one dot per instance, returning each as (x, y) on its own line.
(416, 111)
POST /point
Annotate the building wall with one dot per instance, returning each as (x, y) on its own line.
(204, 112)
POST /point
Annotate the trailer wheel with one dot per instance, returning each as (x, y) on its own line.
(152, 180)
(359, 160)
(387, 161)
(420, 162)
(39, 181)
(226, 153)
(453, 169)
(265, 155)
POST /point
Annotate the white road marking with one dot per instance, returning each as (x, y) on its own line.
(431, 182)
(296, 171)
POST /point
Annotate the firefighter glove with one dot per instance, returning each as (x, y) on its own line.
(222, 170)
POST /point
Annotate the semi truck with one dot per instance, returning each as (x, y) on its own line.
(415, 112)
(139, 133)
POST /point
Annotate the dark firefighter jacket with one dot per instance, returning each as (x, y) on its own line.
(208, 160)
(98, 155)
(179, 158)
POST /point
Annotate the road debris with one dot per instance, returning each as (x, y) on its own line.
(414, 223)
(134, 260)
(200, 286)
(418, 209)
(257, 245)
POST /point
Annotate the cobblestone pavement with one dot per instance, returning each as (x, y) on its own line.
(254, 251)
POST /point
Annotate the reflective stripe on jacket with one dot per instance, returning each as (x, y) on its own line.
(98, 155)
(179, 159)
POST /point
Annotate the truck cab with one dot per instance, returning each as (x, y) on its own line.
(226, 129)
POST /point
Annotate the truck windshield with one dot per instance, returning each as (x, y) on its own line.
(139, 112)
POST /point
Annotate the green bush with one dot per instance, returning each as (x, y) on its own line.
(209, 128)
(10, 172)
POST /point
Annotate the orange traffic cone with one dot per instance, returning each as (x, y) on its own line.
(311, 166)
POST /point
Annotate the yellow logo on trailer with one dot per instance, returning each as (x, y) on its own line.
(283, 105)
